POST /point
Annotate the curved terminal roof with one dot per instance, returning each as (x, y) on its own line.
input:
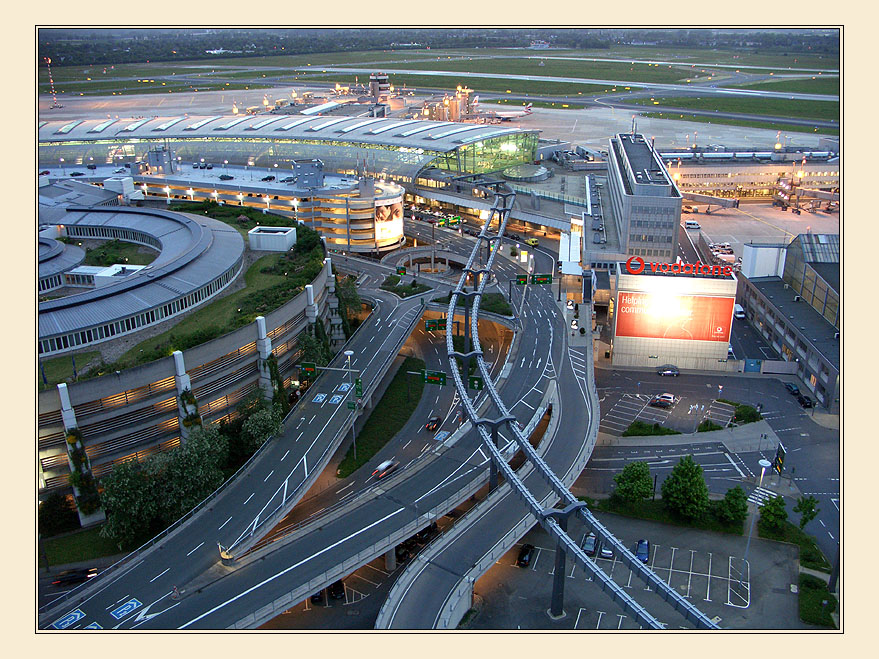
(55, 257)
(193, 253)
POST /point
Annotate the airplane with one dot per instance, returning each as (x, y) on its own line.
(506, 115)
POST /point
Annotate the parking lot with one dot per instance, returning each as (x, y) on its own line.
(706, 568)
(683, 415)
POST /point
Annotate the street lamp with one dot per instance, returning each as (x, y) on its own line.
(764, 465)
(61, 160)
(191, 194)
(225, 162)
(168, 195)
(348, 354)
(295, 203)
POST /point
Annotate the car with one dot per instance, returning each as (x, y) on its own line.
(203, 166)
(78, 575)
(77, 173)
(525, 554)
(590, 545)
(45, 172)
(668, 369)
(226, 177)
(662, 400)
(533, 242)
(337, 590)
(729, 352)
(209, 166)
(289, 179)
(318, 597)
(575, 324)
(605, 552)
(384, 469)
(91, 165)
(792, 389)
(570, 304)
(268, 178)
(804, 400)
(121, 170)
(427, 533)
(642, 550)
(433, 423)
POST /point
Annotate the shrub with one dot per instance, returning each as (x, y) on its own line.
(684, 492)
(733, 507)
(708, 425)
(773, 514)
(57, 514)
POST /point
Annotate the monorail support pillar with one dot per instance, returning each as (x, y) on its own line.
(264, 349)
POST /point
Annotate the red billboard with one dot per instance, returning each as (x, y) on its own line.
(661, 316)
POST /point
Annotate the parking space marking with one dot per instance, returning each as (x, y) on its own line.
(708, 594)
(600, 614)
(536, 558)
(743, 592)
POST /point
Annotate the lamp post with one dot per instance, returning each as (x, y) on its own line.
(764, 465)
(295, 203)
(167, 195)
(348, 354)
(191, 194)
(61, 160)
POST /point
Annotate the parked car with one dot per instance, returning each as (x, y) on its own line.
(289, 179)
(590, 545)
(525, 555)
(318, 597)
(337, 590)
(209, 166)
(570, 304)
(268, 178)
(668, 369)
(44, 172)
(792, 389)
(605, 551)
(575, 324)
(226, 177)
(91, 165)
(804, 400)
(662, 400)
(384, 469)
(428, 533)
(121, 170)
(433, 423)
(77, 173)
(642, 550)
(70, 577)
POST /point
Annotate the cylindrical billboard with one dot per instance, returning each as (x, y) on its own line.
(663, 316)
(388, 220)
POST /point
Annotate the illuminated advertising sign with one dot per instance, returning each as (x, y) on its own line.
(665, 316)
(636, 265)
(389, 222)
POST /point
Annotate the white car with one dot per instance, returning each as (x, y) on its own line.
(575, 324)
(570, 304)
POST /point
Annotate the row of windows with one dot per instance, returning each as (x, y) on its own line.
(79, 280)
(129, 235)
(638, 251)
(132, 323)
(771, 175)
(648, 238)
(653, 224)
(49, 283)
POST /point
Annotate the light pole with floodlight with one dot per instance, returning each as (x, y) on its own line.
(764, 465)
(348, 354)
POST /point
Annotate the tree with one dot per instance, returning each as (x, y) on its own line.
(260, 426)
(773, 514)
(130, 503)
(733, 507)
(684, 491)
(633, 483)
(349, 303)
(807, 507)
(57, 514)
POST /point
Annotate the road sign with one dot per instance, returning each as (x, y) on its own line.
(434, 377)
(401, 270)
(319, 398)
(307, 369)
(358, 387)
(352, 405)
(476, 382)
(541, 279)
(433, 324)
(521, 280)
(778, 463)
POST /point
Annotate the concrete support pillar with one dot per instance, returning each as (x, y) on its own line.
(68, 418)
(187, 411)
(264, 349)
(310, 306)
(391, 559)
(337, 334)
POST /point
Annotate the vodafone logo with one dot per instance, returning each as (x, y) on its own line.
(635, 266)
(639, 269)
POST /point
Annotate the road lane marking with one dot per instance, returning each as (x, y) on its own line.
(249, 498)
(200, 544)
(269, 476)
(166, 569)
(224, 523)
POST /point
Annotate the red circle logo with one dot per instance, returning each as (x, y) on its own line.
(632, 270)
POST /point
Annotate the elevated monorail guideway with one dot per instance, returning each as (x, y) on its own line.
(503, 206)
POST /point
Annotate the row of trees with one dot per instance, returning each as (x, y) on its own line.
(685, 495)
(141, 499)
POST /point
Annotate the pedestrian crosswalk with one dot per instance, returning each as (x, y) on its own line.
(760, 496)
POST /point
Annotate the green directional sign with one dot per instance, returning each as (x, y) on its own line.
(358, 388)
(476, 382)
(541, 279)
(521, 280)
(435, 377)
(307, 369)
(433, 324)
(401, 270)
(352, 405)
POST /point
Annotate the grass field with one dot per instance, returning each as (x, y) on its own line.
(789, 128)
(85, 545)
(116, 251)
(814, 85)
(823, 110)
(60, 369)
(387, 418)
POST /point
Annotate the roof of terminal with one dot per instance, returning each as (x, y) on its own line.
(812, 325)
(644, 163)
(440, 136)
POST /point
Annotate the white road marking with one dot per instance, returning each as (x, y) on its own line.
(250, 497)
(160, 574)
(200, 544)
(224, 523)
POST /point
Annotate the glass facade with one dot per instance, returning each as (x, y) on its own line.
(801, 265)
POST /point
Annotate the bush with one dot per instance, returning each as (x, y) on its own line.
(708, 425)
(773, 514)
(57, 514)
(633, 483)
(684, 492)
(640, 429)
(733, 507)
(813, 592)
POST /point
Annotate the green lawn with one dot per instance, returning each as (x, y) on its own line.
(776, 107)
(60, 369)
(815, 85)
(387, 418)
(392, 284)
(82, 545)
(767, 125)
(657, 512)
(117, 251)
